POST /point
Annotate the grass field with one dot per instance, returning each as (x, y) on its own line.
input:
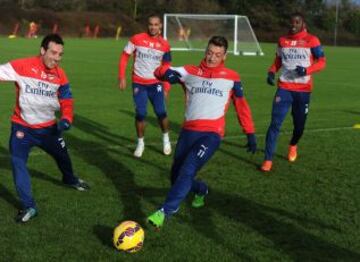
(306, 211)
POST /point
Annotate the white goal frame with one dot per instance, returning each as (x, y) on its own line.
(235, 41)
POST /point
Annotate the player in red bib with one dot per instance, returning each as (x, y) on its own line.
(209, 89)
(150, 50)
(299, 55)
(42, 88)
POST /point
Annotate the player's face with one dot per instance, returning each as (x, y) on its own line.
(52, 56)
(154, 26)
(296, 24)
(215, 55)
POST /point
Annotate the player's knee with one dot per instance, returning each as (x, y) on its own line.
(161, 115)
(140, 117)
(18, 161)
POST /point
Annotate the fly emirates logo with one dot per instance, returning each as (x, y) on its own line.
(294, 54)
(42, 89)
(206, 88)
(148, 56)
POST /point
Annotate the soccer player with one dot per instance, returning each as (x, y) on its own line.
(299, 55)
(150, 51)
(209, 89)
(42, 89)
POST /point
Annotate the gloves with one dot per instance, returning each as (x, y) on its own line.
(300, 70)
(251, 145)
(63, 125)
(271, 78)
(172, 76)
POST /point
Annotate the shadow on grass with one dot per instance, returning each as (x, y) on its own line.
(284, 229)
(9, 197)
(105, 234)
(153, 121)
(4, 192)
(114, 168)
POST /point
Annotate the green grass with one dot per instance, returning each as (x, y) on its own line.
(306, 211)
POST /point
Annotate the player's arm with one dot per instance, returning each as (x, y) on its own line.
(166, 61)
(7, 72)
(169, 74)
(123, 61)
(276, 65)
(66, 107)
(319, 59)
(319, 62)
(244, 115)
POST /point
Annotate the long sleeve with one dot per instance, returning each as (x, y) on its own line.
(7, 72)
(320, 60)
(66, 102)
(276, 65)
(123, 61)
(242, 109)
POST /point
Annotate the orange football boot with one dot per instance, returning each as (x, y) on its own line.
(266, 166)
(292, 153)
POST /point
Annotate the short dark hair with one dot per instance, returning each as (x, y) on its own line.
(56, 38)
(219, 41)
(298, 14)
(155, 16)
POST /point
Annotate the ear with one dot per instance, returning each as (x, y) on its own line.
(42, 51)
(224, 58)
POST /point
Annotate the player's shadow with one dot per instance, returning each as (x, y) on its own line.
(5, 194)
(111, 163)
(284, 229)
(9, 197)
(239, 146)
(233, 154)
(105, 234)
(353, 112)
(55, 179)
(113, 141)
(153, 121)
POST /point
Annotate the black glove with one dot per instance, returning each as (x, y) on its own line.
(172, 76)
(300, 70)
(251, 145)
(63, 125)
(271, 78)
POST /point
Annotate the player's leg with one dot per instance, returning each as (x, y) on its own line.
(140, 99)
(281, 104)
(156, 96)
(53, 144)
(200, 153)
(183, 146)
(20, 143)
(300, 109)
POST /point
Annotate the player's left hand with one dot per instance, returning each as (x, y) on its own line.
(63, 125)
(300, 70)
(251, 145)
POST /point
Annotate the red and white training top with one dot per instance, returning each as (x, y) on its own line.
(208, 92)
(149, 53)
(40, 92)
(301, 49)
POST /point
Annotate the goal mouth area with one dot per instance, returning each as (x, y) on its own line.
(191, 32)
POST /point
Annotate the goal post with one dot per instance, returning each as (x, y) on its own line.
(191, 32)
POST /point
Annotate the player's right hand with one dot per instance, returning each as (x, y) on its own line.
(63, 125)
(271, 78)
(122, 84)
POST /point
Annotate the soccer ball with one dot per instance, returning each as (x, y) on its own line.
(128, 236)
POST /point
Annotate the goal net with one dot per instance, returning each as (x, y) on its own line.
(190, 32)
